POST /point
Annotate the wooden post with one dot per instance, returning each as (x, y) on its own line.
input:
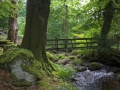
(72, 44)
(56, 43)
(65, 42)
(86, 43)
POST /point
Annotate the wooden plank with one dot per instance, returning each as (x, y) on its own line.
(71, 39)
(93, 47)
(71, 43)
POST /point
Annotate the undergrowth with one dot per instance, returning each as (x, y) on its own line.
(62, 72)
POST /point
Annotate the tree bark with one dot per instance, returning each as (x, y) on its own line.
(13, 28)
(108, 16)
(104, 48)
(36, 26)
(65, 22)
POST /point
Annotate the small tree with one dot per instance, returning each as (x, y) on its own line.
(13, 28)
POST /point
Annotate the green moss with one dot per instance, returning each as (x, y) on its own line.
(43, 83)
(4, 41)
(66, 86)
(61, 56)
(77, 61)
(21, 83)
(72, 57)
(63, 73)
(36, 68)
(8, 46)
(15, 53)
(94, 66)
(87, 52)
(51, 56)
(1, 51)
(3, 37)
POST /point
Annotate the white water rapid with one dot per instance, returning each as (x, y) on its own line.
(92, 80)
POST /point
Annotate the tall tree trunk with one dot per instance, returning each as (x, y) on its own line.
(36, 26)
(13, 28)
(65, 21)
(108, 16)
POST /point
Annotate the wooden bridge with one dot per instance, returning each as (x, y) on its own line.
(81, 43)
(76, 43)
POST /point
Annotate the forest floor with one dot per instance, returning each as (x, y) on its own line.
(59, 80)
(46, 83)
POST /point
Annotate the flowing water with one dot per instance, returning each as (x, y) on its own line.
(92, 80)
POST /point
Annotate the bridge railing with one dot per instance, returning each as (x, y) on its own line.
(75, 43)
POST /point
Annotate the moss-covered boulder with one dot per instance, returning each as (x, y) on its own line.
(94, 66)
(13, 60)
(80, 68)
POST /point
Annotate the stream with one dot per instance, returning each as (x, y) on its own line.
(93, 80)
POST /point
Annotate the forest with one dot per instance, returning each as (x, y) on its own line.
(59, 44)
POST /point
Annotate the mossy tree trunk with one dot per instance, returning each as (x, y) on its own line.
(36, 26)
(13, 28)
(108, 16)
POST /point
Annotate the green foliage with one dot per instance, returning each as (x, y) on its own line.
(57, 17)
(72, 57)
(74, 52)
(43, 84)
(84, 20)
(6, 6)
(61, 56)
(93, 33)
(87, 52)
(21, 18)
(51, 56)
(21, 25)
(64, 73)
(1, 51)
(23, 83)
(66, 86)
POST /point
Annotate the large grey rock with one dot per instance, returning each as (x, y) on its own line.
(63, 62)
(17, 70)
(18, 61)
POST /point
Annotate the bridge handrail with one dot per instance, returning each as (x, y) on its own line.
(56, 43)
